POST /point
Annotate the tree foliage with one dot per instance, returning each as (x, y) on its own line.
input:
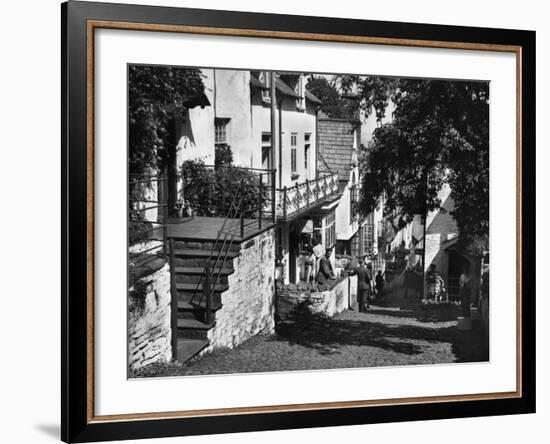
(156, 95)
(213, 192)
(439, 133)
(334, 104)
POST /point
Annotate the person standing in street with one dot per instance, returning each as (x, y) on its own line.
(465, 285)
(364, 285)
(435, 284)
(317, 252)
(380, 282)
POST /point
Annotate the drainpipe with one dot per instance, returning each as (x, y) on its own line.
(273, 120)
(281, 142)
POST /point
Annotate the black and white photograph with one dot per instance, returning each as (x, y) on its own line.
(275, 222)
(284, 221)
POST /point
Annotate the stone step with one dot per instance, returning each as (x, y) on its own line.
(188, 314)
(187, 309)
(182, 244)
(188, 252)
(194, 324)
(195, 279)
(199, 259)
(191, 287)
(187, 348)
(200, 270)
(193, 329)
(194, 298)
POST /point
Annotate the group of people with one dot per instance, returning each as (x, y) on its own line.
(369, 286)
(318, 266)
(436, 289)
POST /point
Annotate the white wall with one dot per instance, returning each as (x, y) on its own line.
(196, 130)
(344, 229)
(441, 227)
(232, 100)
(29, 380)
(293, 121)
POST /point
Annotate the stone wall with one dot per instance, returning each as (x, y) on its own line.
(248, 305)
(149, 333)
(341, 296)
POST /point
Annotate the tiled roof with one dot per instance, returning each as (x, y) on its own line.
(336, 140)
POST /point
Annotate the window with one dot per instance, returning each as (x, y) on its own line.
(317, 229)
(293, 141)
(368, 238)
(357, 243)
(307, 145)
(220, 131)
(330, 230)
(265, 78)
(300, 90)
(266, 151)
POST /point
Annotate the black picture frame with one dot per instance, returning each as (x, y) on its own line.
(77, 425)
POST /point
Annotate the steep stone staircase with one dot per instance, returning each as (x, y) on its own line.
(195, 313)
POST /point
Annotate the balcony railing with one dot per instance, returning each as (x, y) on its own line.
(147, 224)
(209, 191)
(291, 201)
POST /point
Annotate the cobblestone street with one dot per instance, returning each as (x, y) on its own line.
(395, 331)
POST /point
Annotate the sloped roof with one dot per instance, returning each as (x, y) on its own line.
(256, 83)
(335, 147)
(311, 97)
(283, 88)
(191, 102)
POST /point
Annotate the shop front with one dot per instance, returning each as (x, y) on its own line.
(301, 243)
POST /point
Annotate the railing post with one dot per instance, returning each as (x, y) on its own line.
(242, 215)
(307, 193)
(273, 197)
(207, 291)
(284, 201)
(164, 206)
(260, 202)
(173, 302)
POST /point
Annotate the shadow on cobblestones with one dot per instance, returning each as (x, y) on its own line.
(444, 313)
(327, 335)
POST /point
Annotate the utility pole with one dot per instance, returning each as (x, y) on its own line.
(274, 135)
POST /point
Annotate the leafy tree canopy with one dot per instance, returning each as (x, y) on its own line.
(334, 104)
(156, 95)
(439, 133)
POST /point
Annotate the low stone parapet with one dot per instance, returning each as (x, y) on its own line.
(248, 304)
(327, 300)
